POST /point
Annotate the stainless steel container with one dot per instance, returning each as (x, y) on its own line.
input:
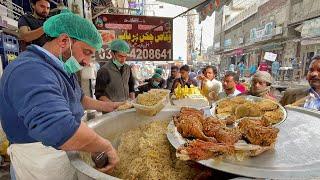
(296, 154)
(111, 126)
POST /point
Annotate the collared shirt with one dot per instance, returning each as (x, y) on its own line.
(223, 94)
(53, 110)
(313, 101)
(53, 57)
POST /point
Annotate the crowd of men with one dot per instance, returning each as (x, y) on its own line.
(260, 85)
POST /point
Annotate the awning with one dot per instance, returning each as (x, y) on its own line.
(311, 28)
(183, 3)
(204, 7)
(310, 41)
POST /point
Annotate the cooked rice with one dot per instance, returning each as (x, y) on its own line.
(151, 98)
(145, 153)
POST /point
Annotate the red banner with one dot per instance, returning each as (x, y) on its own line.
(147, 42)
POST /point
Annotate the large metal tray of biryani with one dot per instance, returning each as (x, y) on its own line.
(288, 151)
(145, 151)
(231, 109)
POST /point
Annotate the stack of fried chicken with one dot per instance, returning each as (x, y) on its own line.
(239, 107)
(211, 138)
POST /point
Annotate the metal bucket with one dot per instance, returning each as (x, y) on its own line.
(111, 126)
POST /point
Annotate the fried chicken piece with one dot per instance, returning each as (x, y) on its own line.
(216, 128)
(239, 100)
(187, 110)
(230, 120)
(250, 149)
(242, 111)
(267, 105)
(257, 133)
(191, 127)
(228, 135)
(273, 117)
(226, 109)
(211, 125)
(248, 109)
(224, 103)
(201, 150)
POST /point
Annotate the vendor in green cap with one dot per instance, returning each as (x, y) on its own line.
(154, 83)
(42, 103)
(115, 81)
(162, 83)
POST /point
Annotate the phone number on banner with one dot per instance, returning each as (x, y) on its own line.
(143, 54)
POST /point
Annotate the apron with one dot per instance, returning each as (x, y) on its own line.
(36, 161)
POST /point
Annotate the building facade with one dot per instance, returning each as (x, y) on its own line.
(275, 26)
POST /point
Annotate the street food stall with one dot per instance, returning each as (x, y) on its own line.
(153, 146)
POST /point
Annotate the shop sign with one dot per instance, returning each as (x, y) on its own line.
(227, 42)
(270, 56)
(311, 28)
(148, 41)
(241, 40)
(259, 34)
(217, 45)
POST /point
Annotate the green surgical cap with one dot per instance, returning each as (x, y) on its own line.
(158, 70)
(156, 75)
(120, 45)
(74, 26)
(65, 10)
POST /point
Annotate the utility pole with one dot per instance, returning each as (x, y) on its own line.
(201, 43)
(190, 37)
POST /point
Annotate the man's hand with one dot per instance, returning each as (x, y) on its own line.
(111, 106)
(29, 35)
(201, 78)
(113, 160)
(132, 96)
(85, 139)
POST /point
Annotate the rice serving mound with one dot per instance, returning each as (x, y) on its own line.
(145, 153)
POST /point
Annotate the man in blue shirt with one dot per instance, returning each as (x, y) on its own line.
(42, 102)
(306, 97)
(253, 69)
(275, 69)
